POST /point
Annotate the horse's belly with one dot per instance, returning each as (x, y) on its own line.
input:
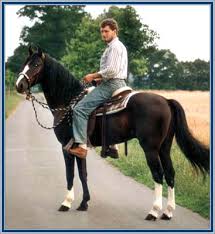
(118, 129)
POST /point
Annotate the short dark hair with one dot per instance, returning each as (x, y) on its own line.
(111, 23)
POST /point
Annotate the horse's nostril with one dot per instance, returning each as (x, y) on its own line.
(21, 86)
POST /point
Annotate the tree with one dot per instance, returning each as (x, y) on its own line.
(83, 53)
(164, 70)
(53, 27)
(196, 75)
(140, 69)
(15, 62)
(9, 80)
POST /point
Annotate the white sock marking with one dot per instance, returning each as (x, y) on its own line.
(69, 198)
(171, 198)
(170, 202)
(114, 147)
(157, 204)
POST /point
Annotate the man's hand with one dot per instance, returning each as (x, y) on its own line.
(90, 77)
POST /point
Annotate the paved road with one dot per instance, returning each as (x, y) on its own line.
(35, 186)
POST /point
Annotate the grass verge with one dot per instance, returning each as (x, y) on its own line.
(11, 102)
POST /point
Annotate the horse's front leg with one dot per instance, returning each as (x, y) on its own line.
(82, 170)
(69, 198)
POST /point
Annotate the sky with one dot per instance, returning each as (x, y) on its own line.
(184, 29)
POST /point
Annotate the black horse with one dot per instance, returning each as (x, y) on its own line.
(150, 118)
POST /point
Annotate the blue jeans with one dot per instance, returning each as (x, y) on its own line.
(89, 103)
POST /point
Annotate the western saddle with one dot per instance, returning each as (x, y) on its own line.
(116, 103)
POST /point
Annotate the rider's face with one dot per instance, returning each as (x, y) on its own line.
(108, 34)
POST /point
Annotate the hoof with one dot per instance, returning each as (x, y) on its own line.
(165, 217)
(150, 217)
(83, 207)
(103, 155)
(113, 153)
(63, 208)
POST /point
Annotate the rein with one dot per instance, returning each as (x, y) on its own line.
(67, 109)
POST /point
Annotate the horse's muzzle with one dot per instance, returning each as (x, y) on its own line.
(21, 84)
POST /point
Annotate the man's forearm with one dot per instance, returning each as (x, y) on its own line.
(96, 75)
(93, 76)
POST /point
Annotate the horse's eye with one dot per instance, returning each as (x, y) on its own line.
(36, 65)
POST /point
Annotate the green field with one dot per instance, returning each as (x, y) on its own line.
(11, 102)
(191, 190)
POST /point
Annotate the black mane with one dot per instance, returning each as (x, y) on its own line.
(58, 84)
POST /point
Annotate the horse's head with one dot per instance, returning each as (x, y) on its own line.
(32, 72)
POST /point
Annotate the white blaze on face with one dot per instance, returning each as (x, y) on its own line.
(22, 75)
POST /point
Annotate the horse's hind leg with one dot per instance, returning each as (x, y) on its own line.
(82, 170)
(169, 174)
(69, 163)
(155, 166)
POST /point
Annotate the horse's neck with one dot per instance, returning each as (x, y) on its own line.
(60, 99)
(59, 87)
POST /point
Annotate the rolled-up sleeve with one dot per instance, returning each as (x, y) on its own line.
(112, 65)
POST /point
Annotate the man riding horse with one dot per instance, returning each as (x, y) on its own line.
(113, 72)
(153, 119)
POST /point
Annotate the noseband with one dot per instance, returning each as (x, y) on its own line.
(26, 76)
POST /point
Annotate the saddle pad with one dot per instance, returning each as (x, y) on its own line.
(113, 108)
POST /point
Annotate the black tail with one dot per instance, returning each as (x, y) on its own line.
(195, 151)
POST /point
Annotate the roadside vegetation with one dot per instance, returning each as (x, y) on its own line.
(11, 101)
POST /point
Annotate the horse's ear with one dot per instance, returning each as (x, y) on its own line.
(39, 51)
(30, 50)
